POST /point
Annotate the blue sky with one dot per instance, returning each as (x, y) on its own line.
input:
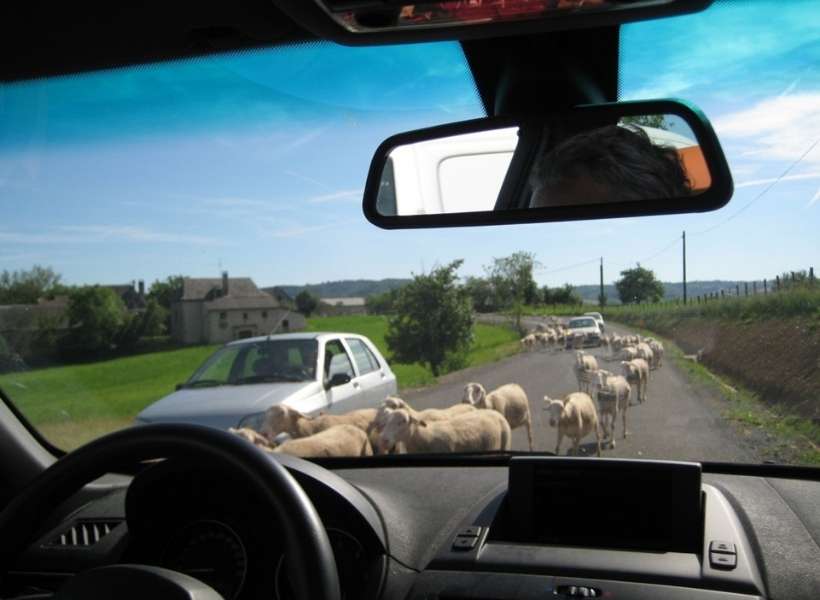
(255, 162)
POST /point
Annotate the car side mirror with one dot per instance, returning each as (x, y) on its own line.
(337, 380)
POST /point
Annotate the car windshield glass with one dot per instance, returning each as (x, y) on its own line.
(184, 242)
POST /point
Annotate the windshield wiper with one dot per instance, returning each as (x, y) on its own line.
(266, 379)
(203, 383)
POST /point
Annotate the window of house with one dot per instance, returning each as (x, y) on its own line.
(223, 316)
(244, 316)
(285, 325)
(264, 314)
(365, 361)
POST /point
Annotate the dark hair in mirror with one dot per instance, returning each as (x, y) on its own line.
(609, 164)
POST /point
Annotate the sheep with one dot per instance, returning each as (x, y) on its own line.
(284, 419)
(613, 392)
(637, 373)
(528, 342)
(657, 353)
(645, 352)
(585, 366)
(510, 400)
(575, 416)
(338, 440)
(430, 414)
(254, 437)
(575, 341)
(616, 343)
(480, 430)
(629, 353)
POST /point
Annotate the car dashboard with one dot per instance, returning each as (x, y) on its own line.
(450, 533)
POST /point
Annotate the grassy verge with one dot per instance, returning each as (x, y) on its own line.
(491, 343)
(73, 404)
(785, 438)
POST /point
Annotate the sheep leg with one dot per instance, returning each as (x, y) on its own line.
(623, 416)
(558, 444)
(598, 439)
(529, 432)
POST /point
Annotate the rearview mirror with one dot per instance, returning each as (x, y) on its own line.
(337, 380)
(611, 160)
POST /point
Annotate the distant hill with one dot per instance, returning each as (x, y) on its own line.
(346, 288)
(672, 290)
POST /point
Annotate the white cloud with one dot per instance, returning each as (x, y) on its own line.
(797, 177)
(79, 234)
(334, 196)
(781, 128)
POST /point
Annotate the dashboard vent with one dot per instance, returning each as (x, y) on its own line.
(84, 534)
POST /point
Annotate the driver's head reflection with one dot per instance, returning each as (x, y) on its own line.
(609, 164)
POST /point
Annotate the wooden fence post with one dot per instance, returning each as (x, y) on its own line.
(737, 289)
(765, 287)
(722, 294)
(698, 299)
(754, 288)
(745, 288)
(811, 275)
(777, 283)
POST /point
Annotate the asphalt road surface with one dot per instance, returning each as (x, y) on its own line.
(678, 421)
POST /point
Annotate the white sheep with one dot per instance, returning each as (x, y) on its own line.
(629, 353)
(252, 436)
(637, 373)
(339, 440)
(612, 392)
(509, 400)
(477, 431)
(657, 353)
(575, 416)
(645, 352)
(585, 366)
(285, 419)
(528, 342)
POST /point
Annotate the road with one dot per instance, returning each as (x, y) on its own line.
(678, 421)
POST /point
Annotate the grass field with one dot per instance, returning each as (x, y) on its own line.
(73, 404)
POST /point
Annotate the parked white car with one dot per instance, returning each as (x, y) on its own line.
(311, 372)
(598, 317)
(588, 326)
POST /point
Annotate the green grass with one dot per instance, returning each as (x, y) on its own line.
(491, 343)
(558, 310)
(78, 402)
(802, 301)
(73, 404)
(794, 438)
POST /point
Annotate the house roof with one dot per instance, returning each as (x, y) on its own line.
(23, 317)
(198, 288)
(275, 291)
(349, 301)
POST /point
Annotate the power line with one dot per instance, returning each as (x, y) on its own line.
(572, 266)
(762, 193)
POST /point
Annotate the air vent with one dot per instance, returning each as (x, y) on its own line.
(84, 534)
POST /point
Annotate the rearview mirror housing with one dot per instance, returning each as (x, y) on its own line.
(337, 380)
(621, 159)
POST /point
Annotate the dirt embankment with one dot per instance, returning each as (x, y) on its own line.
(779, 359)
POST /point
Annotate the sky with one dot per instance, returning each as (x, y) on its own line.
(255, 162)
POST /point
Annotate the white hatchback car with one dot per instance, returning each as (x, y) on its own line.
(598, 317)
(311, 372)
(586, 326)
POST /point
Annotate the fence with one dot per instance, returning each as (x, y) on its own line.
(787, 281)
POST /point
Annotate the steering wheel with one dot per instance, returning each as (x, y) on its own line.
(313, 568)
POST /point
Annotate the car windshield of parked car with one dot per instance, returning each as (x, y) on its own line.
(259, 362)
(176, 236)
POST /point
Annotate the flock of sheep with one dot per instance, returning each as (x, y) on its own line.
(482, 421)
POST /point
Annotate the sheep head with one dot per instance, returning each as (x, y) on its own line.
(475, 394)
(280, 418)
(554, 408)
(397, 427)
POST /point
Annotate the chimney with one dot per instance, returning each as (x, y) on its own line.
(224, 283)
(142, 288)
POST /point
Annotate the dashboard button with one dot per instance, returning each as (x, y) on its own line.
(719, 560)
(464, 543)
(473, 531)
(723, 547)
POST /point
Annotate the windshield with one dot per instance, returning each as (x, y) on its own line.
(280, 360)
(170, 230)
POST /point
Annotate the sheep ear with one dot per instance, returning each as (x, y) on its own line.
(422, 423)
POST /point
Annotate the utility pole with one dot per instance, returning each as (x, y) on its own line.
(684, 267)
(601, 291)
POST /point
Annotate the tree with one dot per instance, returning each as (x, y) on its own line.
(26, 287)
(639, 285)
(96, 317)
(481, 293)
(656, 121)
(166, 292)
(562, 295)
(306, 303)
(511, 278)
(382, 304)
(433, 322)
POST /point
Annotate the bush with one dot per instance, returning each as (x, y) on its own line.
(96, 319)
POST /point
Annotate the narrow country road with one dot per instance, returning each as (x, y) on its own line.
(678, 421)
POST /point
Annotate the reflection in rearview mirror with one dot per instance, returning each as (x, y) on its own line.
(623, 159)
(638, 158)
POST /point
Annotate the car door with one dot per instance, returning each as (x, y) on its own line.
(348, 396)
(373, 377)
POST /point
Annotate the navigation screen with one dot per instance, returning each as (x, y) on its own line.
(651, 505)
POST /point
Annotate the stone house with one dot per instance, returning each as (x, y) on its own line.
(342, 306)
(218, 310)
